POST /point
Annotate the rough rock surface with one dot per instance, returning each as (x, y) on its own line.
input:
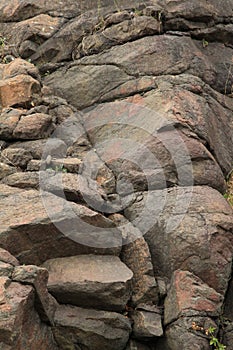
(28, 233)
(116, 136)
(147, 322)
(90, 328)
(100, 282)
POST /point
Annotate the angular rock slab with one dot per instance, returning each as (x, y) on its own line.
(38, 278)
(78, 328)
(136, 255)
(6, 257)
(34, 234)
(6, 170)
(101, 282)
(188, 296)
(18, 90)
(147, 322)
(34, 126)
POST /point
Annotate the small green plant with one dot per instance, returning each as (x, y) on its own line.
(229, 198)
(211, 333)
(138, 12)
(2, 41)
(205, 43)
(214, 340)
(58, 169)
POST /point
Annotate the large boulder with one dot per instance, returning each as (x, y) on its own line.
(189, 229)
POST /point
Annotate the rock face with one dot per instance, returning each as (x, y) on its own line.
(116, 139)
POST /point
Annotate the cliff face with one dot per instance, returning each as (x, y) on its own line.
(116, 135)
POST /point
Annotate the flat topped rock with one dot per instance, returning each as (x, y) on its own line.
(102, 282)
(90, 329)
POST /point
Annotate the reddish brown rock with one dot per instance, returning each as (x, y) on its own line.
(34, 126)
(18, 67)
(34, 235)
(6, 191)
(18, 90)
(6, 257)
(188, 296)
(20, 326)
(38, 278)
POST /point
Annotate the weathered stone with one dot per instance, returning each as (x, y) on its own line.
(137, 58)
(130, 29)
(38, 148)
(16, 157)
(101, 282)
(22, 180)
(34, 235)
(90, 329)
(191, 226)
(171, 58)
(189, 296)
(34, 165)
(20, 10)
(19, 66)
(6, 257)
(6, 191)
(75, 188)
(34, 126)
(93, 79)
(154, 157)
(201, 12)
(147, 322)
(18, 90)
(19, 323)
(6, 269)
(189, 92)
(6, 170)
(136, 255)
(8, 121)
(40, 27)
(37, 277)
